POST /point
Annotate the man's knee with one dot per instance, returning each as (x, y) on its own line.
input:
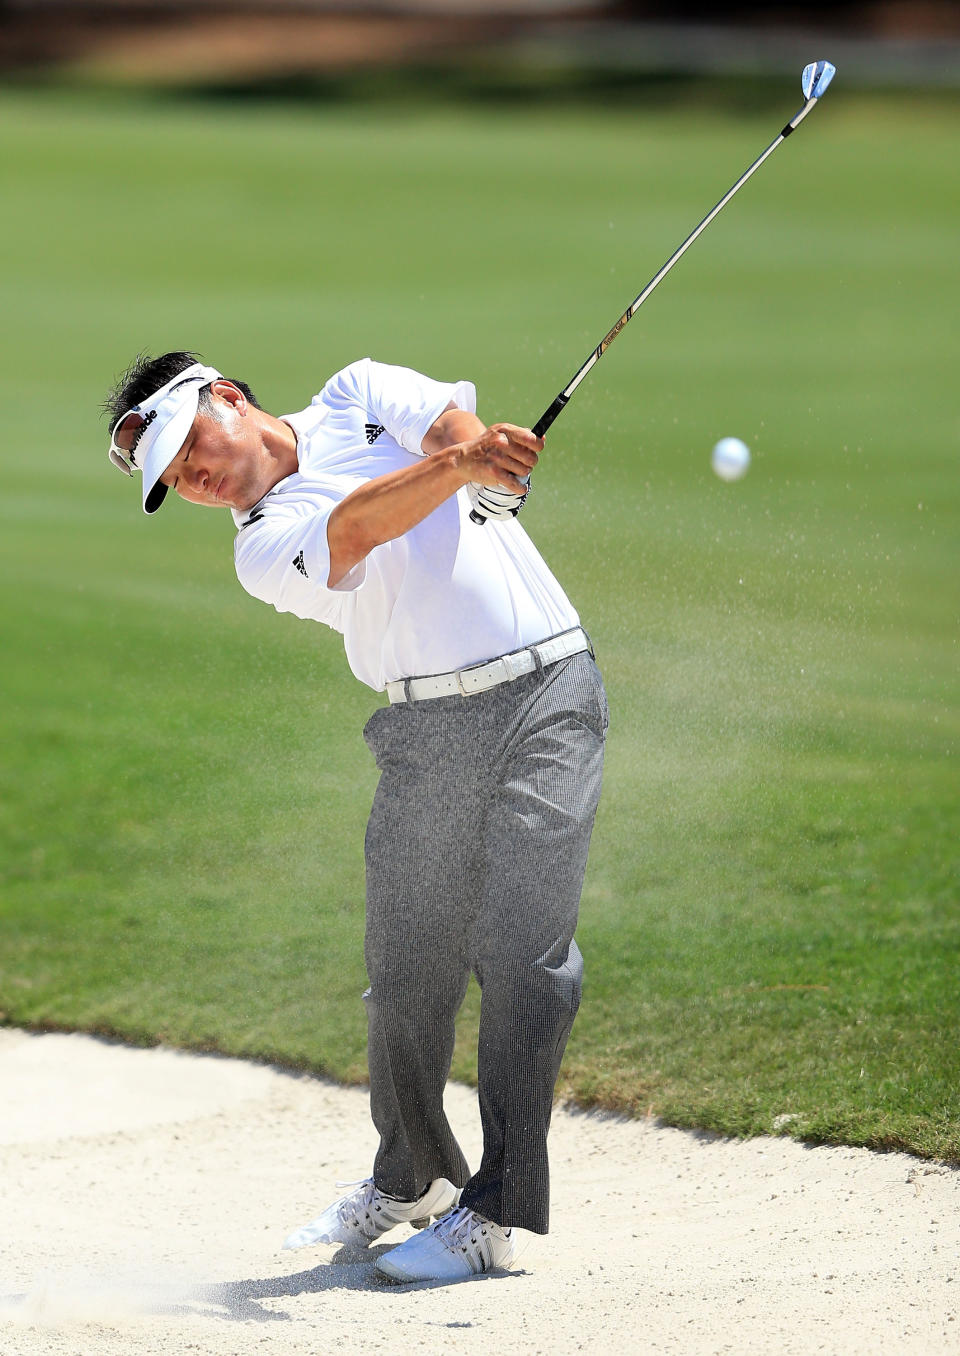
(406, 995)
(543, 993)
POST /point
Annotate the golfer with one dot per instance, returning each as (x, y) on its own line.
(356, 512)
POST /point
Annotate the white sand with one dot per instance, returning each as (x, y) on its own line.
(145, 1195)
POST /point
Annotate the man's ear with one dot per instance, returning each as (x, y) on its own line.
(230, 393)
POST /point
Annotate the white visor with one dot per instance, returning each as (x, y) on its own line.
(170, 414)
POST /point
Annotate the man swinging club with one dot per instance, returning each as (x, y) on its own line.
(355, 512)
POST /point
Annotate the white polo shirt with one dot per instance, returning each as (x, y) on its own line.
(446, 594)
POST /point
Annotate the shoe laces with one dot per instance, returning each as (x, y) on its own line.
(461, 1225)
(357, 1199)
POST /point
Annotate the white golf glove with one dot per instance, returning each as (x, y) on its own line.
(493, 501)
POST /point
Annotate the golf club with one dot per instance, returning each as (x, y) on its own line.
(814, 81)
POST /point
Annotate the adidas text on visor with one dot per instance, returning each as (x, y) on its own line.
(149, 436)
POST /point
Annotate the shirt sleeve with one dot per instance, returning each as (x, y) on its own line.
(283, 558)
(407, 403)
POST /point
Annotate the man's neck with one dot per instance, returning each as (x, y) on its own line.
(280, 444)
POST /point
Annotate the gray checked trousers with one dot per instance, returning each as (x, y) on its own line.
(475, 853)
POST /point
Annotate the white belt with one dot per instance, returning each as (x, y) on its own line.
(465, 682)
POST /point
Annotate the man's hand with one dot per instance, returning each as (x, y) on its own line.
(458, 451)
(504, 456)
(497, 461)
(501, 456)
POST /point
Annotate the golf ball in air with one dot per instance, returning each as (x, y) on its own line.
(730, 458)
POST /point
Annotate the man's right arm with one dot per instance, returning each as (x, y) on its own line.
(390, 505)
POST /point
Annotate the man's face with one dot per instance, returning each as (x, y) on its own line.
(221, 462)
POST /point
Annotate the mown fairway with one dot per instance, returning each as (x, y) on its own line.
(771, 914)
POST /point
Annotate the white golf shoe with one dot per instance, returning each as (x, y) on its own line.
(460, 1245)
(359, 1218)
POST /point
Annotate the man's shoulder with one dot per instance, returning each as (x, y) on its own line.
(366, 382)
(345, 390)
(351, 381)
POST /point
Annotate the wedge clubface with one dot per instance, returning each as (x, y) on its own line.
(816, 77)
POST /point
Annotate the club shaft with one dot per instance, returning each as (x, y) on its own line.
(550, 414)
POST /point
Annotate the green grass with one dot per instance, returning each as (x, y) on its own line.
(770, 915)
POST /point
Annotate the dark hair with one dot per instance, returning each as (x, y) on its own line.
(146, 375)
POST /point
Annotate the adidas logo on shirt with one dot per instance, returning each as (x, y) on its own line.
(299, 565)
(373, 431)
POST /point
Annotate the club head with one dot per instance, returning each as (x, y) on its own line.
(816, 77)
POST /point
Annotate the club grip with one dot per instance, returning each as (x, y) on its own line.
(548, 416)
